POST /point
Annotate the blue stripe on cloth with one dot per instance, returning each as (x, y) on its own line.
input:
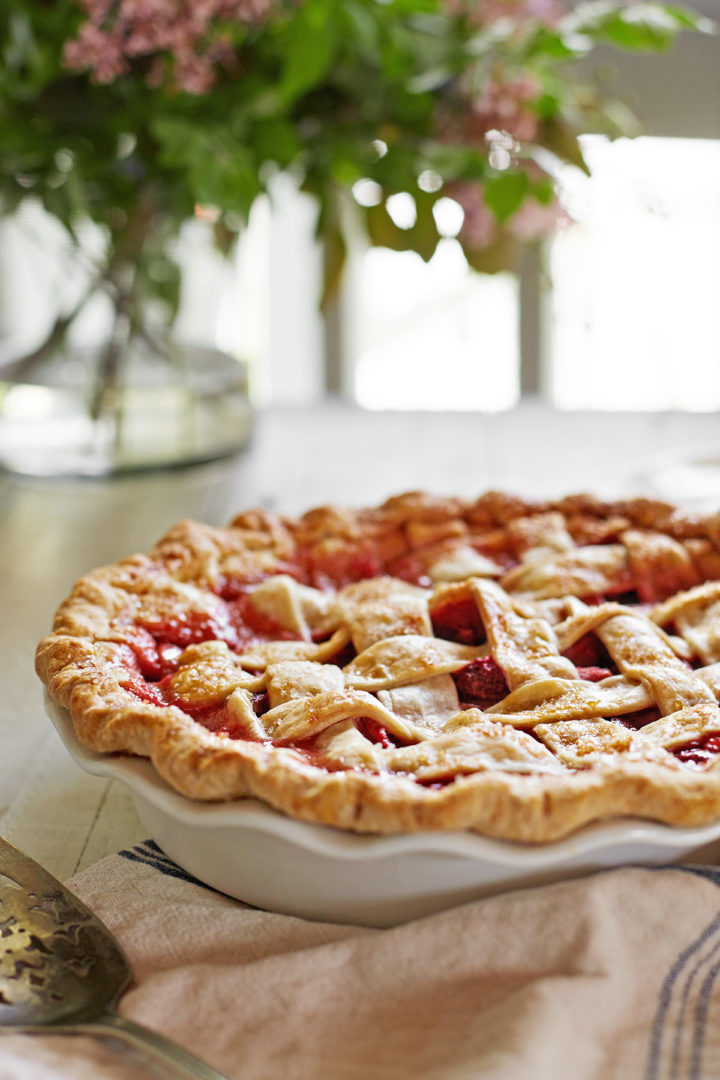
(153, 847)
(710, 873)
(680, 980)
(682, 1025)
(151, 851)
(150, 854)
(701, 1014)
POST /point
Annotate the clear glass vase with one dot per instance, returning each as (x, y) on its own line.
(117, 385)
(161, 414)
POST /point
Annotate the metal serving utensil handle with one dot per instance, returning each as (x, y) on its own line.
(167, 1053)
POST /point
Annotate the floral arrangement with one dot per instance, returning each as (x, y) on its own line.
(134, 113)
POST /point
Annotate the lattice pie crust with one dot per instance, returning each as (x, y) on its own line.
(511, 668)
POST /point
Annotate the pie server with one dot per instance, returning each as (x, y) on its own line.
(62, 970)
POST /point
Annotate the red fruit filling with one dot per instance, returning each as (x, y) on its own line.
(700, 751)
(157, 643)
(589, 652)
(155, 659)
(624, 588)
(216, 719)
(375, 732)
(411, 567)
(148, 692)
(261, 703)
(459, 621)
(628, 597)
(480, 683)
(251, 626)
(594, 674)
(343, 656)
(368, 726)
(437, 783)
(637, 720)
(230, 588)
(333, 570)
(188, 628)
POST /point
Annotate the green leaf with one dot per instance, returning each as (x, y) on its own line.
(422, 237)
(558, 137)
(334, 260)
(548, 105)
(556, 44)
(224, 237)
(504, 193)
(425, 231)
(382, 230)
(456, 162)
(364, 26)
(310, 57)
(314, 88)
(636, 27)
(275, 140)
(219, 169)
(687, 19)
(496, 258)
(543, 190)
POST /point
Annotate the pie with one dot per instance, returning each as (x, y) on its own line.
(513, 668)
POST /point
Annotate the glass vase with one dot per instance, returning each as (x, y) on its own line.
(119, 385)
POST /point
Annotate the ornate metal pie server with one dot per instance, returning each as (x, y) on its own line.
(60, 967)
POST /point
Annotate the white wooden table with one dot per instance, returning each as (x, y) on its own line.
(52, 532)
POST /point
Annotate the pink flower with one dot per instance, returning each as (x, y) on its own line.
(535, 220)
(532, 221)
(100, 51)
(487, 12)
(503, 106)
(119, 31)
(479, 224)
(194, 74)
(502, 115)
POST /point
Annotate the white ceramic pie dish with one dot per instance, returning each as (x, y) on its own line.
(258, 855)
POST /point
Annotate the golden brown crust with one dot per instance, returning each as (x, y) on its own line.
(148, 661)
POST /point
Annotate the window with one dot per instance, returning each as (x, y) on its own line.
(621, 298)
(420, 320)
(634, 318)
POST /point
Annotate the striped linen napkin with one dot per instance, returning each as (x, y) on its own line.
(610, 977)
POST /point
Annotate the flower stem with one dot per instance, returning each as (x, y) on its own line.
(121, 279)
(106, 397)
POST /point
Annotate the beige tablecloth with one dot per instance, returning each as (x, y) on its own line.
(609, 978)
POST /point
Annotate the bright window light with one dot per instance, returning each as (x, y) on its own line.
(635, 319)
(435, 335)
(402, 210)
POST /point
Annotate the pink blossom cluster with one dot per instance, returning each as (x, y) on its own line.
(532, 221)
(479, 223)
(487, 12)
(504, 106)
(117, 32)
